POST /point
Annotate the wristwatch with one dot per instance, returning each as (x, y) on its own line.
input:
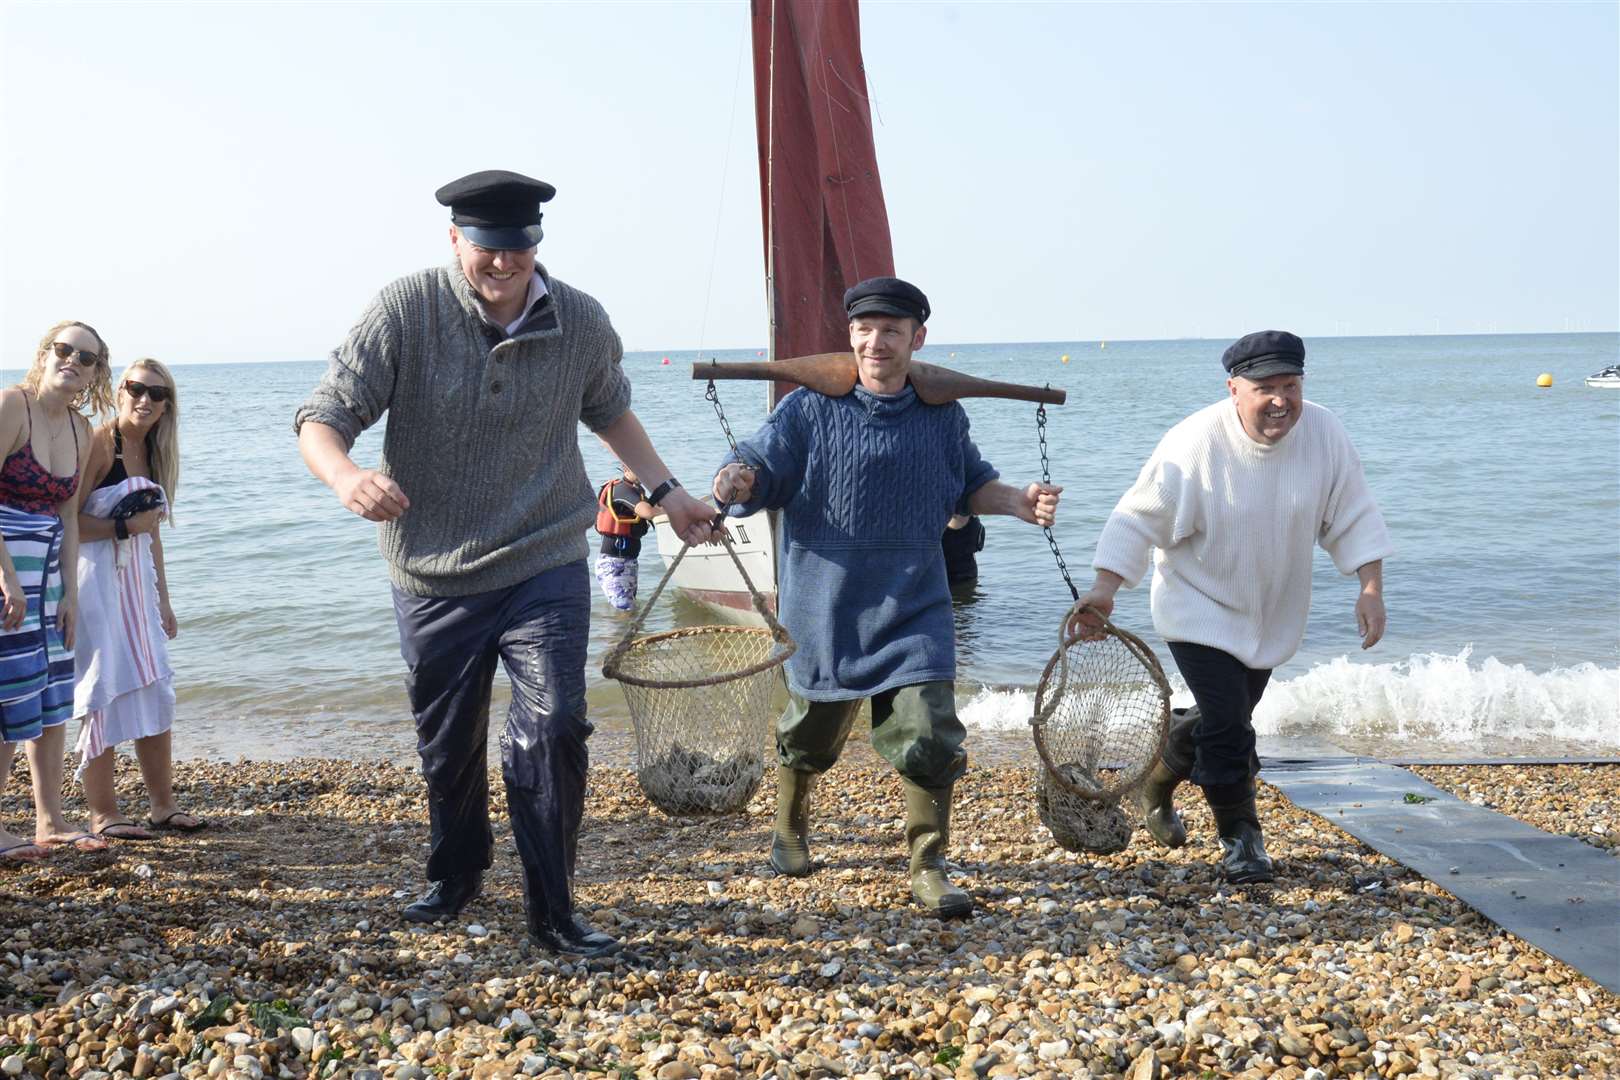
(121, 528)
(663, 489)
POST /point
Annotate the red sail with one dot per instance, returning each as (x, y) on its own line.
(825, 224)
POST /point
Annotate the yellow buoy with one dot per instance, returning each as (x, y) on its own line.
(1065, 358)
(1544, 380)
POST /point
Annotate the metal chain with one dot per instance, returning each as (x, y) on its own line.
(712, 396)
(1046, 478)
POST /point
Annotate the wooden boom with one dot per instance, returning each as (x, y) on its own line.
(834, 374)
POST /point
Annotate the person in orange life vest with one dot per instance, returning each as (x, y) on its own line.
(622, 512)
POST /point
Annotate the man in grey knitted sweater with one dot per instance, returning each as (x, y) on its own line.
(485, 366)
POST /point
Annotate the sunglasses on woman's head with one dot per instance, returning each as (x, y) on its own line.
(85, 357)
(138, 390)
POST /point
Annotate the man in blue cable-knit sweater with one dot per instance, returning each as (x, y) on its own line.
(866, 483)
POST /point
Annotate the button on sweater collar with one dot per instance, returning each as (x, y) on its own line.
(470, 302)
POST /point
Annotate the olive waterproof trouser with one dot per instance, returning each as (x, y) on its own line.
(915, 728)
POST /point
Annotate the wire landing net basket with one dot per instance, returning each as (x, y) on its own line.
(1102, 714)
(1080, 824)
(700, 702)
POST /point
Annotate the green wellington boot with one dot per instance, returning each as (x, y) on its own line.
(928, 834)
(1155, 798)
(790, 841)
(1238, 823)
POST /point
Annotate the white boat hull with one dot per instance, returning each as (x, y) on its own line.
(1610, 383)
(709, 577)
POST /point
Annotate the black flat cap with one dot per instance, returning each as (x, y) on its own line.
(1265, 353)
(886, 296)
(497, 209)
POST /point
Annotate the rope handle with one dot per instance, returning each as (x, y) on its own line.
(778, 633)
(1041, 716)
(1144, 655)
(1063, 653)
(1139, 648)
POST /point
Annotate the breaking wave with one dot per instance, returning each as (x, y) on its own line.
(1429, 698)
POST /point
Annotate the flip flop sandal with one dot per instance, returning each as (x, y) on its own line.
(8, 857)
(125, 830)
(77, 841)
(168, 823)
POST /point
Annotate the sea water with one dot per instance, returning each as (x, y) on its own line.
(1503, 500)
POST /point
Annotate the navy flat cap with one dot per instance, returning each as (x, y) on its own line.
(886, 296)
(1265, 353)
(497, 209)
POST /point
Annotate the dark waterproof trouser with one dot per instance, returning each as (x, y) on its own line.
(1227, 693)
(915, 728)
(538, 630)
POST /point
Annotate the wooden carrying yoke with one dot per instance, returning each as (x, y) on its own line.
(834, 374)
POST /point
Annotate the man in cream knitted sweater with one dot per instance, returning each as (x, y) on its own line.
(1230, 507)
(486, 367)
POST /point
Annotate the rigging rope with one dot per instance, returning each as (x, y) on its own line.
(770, 200)
(720, 206)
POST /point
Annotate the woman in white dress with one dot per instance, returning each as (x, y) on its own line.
(124, 690)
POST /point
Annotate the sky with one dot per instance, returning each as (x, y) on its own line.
(232, 182)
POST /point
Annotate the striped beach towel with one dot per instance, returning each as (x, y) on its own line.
(125, 685)
(36, 669)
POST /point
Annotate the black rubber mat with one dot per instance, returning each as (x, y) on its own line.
(1557, 893)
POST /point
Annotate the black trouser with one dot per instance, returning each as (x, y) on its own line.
(539, 630)
(1226, 692)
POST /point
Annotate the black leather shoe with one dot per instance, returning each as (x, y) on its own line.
(445, 899)
(575, 938)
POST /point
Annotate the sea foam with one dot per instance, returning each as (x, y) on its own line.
(1430, 698)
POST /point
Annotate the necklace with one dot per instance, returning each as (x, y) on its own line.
(54, 432)
(128, 442)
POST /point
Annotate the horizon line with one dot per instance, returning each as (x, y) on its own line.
(936, 347)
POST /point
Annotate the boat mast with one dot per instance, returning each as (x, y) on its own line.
(824, 221)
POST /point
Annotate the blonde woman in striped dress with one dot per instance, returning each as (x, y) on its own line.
(47, 443)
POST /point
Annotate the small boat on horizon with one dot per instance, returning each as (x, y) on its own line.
(1607, 379)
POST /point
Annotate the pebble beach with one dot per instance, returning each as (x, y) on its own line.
(270, 946)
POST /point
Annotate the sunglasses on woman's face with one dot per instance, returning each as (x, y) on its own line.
(85, 357)
(137, 390)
